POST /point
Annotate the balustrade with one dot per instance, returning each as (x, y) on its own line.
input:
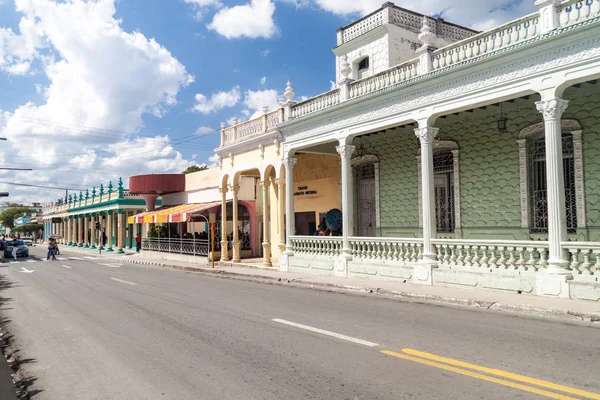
(317, 245)
(316, 103)
(521, 255)
(385, 79)
(387, 249)
(576, 11)
(584, 257)
(256, 126)
(487, 42)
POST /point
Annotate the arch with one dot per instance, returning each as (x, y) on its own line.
(224, 181)
(366, 159)
(566, 125)
(267, 171)
(571, 126)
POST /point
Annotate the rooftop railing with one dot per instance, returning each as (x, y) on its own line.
(257, 126)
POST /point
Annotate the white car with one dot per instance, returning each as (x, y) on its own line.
(28, 241)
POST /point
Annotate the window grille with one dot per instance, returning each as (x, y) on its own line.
(443, 169)
(538, 185)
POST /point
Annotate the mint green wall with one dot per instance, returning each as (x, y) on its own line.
(584, 106)
(489, 168)
(398, 189)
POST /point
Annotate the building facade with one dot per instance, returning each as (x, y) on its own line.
(464, 159)
(96, 219)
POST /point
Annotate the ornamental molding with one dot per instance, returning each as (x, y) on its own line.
(345, 151)
(541, 63)
(289, 163)
(427, 134)
(445, 145)
(553, 108)
(366, 159)
(251, 143)
(566, 125)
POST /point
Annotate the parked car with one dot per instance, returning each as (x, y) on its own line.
(22, 249)
(28, 241)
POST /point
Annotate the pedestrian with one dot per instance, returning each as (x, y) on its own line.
(138, 243)
(51, 250)
(15, 247)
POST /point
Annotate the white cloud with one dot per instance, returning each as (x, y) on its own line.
(204, 130)
(252, 20)
(17, 51)
(263, 80)
(475, 14)
(95, 93)
(256, 100)
(213, 161)
(217, 101)
(201, 7)
(246, 113)
(265, 52)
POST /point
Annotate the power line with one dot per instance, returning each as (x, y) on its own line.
(37, 186)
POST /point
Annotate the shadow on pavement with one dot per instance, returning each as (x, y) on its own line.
(14, 383)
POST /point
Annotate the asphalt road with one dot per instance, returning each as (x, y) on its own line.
(94, 329)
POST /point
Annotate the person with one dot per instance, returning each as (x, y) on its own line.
(2, 249)
(51, 245)
(138, 243)
(15, 247)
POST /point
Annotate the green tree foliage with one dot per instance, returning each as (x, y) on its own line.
(195, 168)
(29, 228)
(8, 216)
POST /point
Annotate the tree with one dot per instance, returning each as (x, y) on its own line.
(29, 228)
(8, 216)
(195, 168)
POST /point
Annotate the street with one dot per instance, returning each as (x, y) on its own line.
(99, 329)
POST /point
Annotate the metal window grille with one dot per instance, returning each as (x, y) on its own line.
(443, 170)
(366, 202)
(538, 185)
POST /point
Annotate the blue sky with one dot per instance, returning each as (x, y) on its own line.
(94, 90)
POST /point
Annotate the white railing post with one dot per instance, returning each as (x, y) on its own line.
(548, 14)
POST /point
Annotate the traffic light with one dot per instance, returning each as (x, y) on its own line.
(97, 225)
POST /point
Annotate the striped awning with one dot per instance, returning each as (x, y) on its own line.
(180, 213)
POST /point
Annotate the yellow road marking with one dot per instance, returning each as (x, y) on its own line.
(480, 376)
(504, 374)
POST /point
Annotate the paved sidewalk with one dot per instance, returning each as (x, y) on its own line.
(576, 310)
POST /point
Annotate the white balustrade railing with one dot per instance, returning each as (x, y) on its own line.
(584, 257)
(318, 103)
(382, 80)
(249, 128)
(510, 254)
(256, 126)
(317, 245)
(572, 12)
(387, 249)
(487, 42)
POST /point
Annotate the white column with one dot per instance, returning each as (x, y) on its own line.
(552, 109)
(109, 231)
(236, 236)
(281, 211)
(290, 229)
(426, 135)
(224, 247)
(266, 240)
(345, 152)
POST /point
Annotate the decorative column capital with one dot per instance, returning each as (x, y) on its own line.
(553, 108)
(427, 134)
(235, 189)
(120, 211)
(290, 162)
(265, 183)
(345, 151)
(223, 190)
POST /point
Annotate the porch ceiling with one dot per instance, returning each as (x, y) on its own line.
(324, 148)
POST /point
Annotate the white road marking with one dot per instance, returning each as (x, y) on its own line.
(111, 265)
(26, 270)
(90, 258)
(66, 266)
(126, 282)
(15, 262)
(61, 258)
(324, 332)
(76, 258)
(31, 261)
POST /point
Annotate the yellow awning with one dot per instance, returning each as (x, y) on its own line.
(180, 213)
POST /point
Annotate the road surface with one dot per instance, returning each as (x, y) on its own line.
(94, 328)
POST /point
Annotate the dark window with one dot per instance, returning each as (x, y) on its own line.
(364, 64)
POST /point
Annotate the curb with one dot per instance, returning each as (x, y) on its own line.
(391, 294)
